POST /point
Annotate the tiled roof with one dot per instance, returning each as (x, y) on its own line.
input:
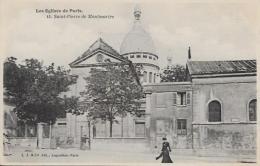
(221, 67)
(98, 45)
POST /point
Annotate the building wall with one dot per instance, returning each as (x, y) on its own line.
(234, 131)
(142, 57)
(149, 69)
(127, 127)
(75, 126)
(233, 94)
(164, 114)
(75, 89)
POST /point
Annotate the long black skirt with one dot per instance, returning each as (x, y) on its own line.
(165, 157)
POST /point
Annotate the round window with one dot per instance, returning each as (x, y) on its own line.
(99, 58)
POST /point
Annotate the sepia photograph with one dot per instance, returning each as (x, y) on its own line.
(129, 82)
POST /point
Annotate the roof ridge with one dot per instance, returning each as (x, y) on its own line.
(108, 45)
(98, 44)
(87, 51)
(222, 60)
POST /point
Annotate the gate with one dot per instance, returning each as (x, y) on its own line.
(44, 137)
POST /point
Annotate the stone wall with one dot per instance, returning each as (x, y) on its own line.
(120, 144)
(235, 137)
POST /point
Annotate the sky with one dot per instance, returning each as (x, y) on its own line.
(215, 30)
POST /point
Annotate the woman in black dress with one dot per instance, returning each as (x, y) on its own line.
(165, 152)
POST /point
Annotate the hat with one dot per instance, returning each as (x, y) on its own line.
(164, 138)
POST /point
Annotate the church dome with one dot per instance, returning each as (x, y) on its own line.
(137, 40)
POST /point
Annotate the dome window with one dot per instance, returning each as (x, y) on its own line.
(145, 76)
(132, 56)
(150, 77)
(150, 57)
(138, 56)
(144, 56)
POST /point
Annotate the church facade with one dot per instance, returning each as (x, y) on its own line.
(214, 109)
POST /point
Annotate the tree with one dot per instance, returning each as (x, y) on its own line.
(174, 73)
(35, 89)
(112, 91)
(71, 105)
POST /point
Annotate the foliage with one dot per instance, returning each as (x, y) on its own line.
(35, 89)
(71, 104)
(112, 91)
(174, 73)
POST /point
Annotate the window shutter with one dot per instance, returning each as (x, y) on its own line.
(174, 99)
(188, 98)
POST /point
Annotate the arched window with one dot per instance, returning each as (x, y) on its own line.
(145, 76)
(252, 110)
(150, 77)
(214, 111)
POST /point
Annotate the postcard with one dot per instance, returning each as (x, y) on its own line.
(129, 82)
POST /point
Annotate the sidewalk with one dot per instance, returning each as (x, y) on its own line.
(98, 156)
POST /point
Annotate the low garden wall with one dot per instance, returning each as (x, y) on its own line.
(120, 144)
(23, 141)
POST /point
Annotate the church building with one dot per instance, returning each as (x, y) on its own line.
(215, 109)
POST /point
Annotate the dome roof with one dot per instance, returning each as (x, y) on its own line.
(137, 40)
